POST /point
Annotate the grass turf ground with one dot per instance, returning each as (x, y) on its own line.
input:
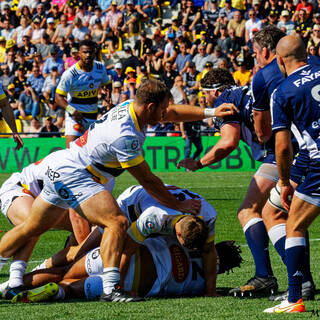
(225, 192)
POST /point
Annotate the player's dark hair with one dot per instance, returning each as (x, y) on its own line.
(228, 256)
(218, 76)
(268, 37)
(87, 43)
(152, 91)
(194, 232)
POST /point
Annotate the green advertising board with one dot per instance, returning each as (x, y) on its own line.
(161, 153)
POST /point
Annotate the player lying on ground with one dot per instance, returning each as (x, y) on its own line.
(76, 176)
(147, 217)
(161, 267)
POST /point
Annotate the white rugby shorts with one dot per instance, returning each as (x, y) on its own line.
(9, 191)
(67, 186)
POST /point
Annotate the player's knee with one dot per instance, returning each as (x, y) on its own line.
(119, 222)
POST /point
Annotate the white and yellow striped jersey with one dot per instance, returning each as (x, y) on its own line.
(111, 144)
(81, 87)
(147, 216)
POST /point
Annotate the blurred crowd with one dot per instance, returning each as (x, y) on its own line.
(39, 40)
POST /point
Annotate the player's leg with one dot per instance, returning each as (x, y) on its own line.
(42, 217)
(103, 210)
(249, 215)
(300, 217)
(69, 254)
(81, 228)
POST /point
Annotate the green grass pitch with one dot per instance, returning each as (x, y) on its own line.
(225, 192)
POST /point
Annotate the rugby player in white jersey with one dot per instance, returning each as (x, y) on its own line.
(148, 217)
(17, 195)
(8, 116)
(161, 267)
(77, 93)
(75, 177)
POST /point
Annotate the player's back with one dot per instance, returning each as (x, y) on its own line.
(265, 81)
(111, 142)
(299, 99)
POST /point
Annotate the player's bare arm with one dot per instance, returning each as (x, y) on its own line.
(230, 136)
(262, 125)
(209, 256)
(63, 103)
(192, 113)
(9, 118)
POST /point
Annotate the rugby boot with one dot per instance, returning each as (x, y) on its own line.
(39, 294)
(287, 307)
(256, 285)
(118, 295)
(8, 293)
(308, 292)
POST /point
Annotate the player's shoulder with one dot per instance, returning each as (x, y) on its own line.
(99, 66)
(72, 72)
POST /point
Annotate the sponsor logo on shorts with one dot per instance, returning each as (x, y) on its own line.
(95, 254)
(52, 175)
(63, 192)
(89, 267)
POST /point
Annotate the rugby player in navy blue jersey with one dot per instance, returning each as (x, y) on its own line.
(295, 108)
(232, 129)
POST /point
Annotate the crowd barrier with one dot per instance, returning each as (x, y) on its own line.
(161, 153)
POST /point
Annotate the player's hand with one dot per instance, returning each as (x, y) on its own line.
(225, 109)
(78, 117)
(18, 141)
(190, 206)
(189, 164)
(286, 193)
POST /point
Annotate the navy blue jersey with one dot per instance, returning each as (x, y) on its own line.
(265, 81)
(296, 107)
(241, 98)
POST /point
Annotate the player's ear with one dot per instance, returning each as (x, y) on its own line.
(151, 107)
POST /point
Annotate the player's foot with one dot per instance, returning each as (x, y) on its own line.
(8, 293)
(118, 295)
(256, 285)
(37, 294)
(287, 307)
(308, 292)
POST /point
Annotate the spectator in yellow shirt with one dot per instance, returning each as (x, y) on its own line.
(242, 76)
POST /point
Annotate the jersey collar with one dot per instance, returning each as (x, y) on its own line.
(134, 116)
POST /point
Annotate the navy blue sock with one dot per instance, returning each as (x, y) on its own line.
(279, 246)
(277, 235)
(307, 276)
(295, 253)
(258, 241)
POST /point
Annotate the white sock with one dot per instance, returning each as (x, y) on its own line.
(3, 261)
(59, 295)
(40, 266)
(17, 269)
(110, 277)
(3, 286)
